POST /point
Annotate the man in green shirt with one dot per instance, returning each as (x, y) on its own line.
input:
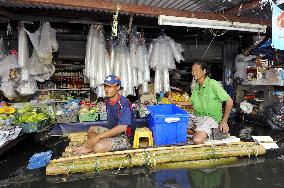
(207, 98)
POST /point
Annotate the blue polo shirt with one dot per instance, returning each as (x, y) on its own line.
(119, 112)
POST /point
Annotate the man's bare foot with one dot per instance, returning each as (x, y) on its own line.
(81, 150)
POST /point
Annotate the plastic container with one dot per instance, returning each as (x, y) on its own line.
(33, 127)
(103, 116)
(87, 117)
(168, 124)
(179, 178)
(69, 118)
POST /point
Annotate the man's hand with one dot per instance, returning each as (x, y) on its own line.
(91, 142)
(224, 127)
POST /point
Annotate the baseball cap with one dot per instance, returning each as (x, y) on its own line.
(112, 80)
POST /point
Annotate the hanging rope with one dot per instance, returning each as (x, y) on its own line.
(115, 22)
(208, 46)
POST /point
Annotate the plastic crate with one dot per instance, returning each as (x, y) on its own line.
(87, 117)
(33, 127)
(103, 116)
(69, 118)
(179, 178)
(168, 124)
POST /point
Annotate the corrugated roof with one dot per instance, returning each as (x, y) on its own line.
(182, 8)
(192, 5)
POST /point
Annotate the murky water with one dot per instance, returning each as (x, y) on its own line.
(266, 171)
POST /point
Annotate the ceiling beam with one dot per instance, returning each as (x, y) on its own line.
(6, 14)
(245, 6)
(142, 10)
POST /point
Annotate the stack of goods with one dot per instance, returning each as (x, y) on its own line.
(163, 53)
(177, 97)
(97, 61)
(88, 112)
(130, 63)
(68, 112)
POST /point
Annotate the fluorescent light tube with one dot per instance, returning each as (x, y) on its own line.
(213, 24)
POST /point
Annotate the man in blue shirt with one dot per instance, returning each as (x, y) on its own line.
(120, 119)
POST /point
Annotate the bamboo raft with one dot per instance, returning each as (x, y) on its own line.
(153, 156)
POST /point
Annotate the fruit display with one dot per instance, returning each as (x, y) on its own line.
(7, 110)
(88, 112)
(33, 114)
(7, 115)
(175, 96)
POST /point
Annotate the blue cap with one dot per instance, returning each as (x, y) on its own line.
(112, 80)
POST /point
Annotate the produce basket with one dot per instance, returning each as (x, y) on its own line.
(67, 118)
(32, 126)
(87, 117)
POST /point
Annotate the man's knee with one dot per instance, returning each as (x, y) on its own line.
(91, 132)
(197, 140)
(199, 137)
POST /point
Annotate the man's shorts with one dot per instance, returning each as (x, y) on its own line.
(119, 142)
(204, 124)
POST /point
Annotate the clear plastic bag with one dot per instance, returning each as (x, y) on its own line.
(88, 51)
(8, 63)
(54, 43)
(45, 44)
(3, 52)
(154, 56)
(140, 77)
(124, 76)
(117, 65)
(158, 81)
(25, 74)
(130, 85)
(166, 78)
(101, 62)
(23, 49)
(145, 87)
(177, 49)
(27, 87)
(47, 72)
(8, 89)
(94, 56)
(100, 91)
(107, 64)
(133, 49)
(135, 77)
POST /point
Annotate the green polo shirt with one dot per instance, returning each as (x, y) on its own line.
(207, 101)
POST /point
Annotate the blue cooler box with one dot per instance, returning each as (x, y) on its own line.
(168, 124)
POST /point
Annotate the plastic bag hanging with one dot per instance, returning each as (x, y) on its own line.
(27, 87)
(101, 59)
(23, 49)
(107, 64)
(145, 87)
(166, 80)
(8, 89)
(94, 57)
(3, 53)
(88, 51)
(177, 50)
(158, 81)
(45, 44)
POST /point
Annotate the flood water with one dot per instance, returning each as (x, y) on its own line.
(255, 172)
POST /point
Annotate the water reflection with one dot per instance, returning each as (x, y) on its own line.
(255, 172)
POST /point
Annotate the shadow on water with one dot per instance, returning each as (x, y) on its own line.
(266, 171)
